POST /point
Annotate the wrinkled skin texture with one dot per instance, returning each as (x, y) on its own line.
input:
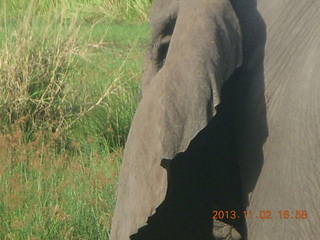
(229, 120)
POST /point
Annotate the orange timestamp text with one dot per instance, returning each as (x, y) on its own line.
(263, 214)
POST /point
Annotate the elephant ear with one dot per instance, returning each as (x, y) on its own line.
(178, 101)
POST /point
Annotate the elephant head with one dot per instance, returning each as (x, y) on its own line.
(214, 129)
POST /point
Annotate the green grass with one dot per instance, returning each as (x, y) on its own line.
(114, 72)
(69, 85)
(57, 196)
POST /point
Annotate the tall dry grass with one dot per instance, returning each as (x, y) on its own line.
(36, 63)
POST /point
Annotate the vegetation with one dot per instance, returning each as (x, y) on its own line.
(69, 85)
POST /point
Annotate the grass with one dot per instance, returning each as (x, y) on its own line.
(46, 195)
(69, 85)
(88, 10)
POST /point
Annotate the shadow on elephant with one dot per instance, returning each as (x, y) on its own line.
(223, 162)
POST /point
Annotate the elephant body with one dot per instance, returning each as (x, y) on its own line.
(290, 175)
(229, 121)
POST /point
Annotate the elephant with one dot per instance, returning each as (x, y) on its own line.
(225, 143)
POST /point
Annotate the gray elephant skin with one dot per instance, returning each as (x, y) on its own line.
(225, 143)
